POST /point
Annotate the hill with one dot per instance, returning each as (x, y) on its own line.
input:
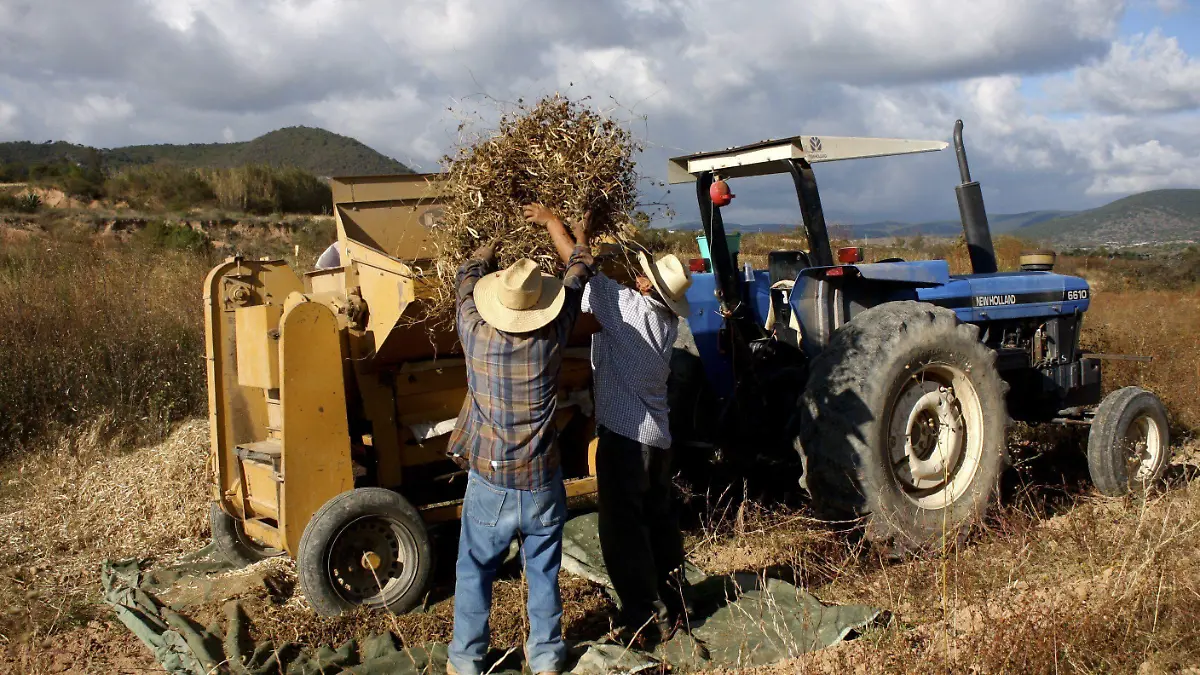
(1158, 216)
(321, 152)
(1003, 223)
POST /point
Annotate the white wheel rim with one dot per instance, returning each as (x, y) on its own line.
(1143, 445)
(935, 435)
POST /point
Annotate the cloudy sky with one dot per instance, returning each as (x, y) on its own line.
(1067, 103)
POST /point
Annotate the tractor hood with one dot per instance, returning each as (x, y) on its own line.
(1010, 295)
(975, 297)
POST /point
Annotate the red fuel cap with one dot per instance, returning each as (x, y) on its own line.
(719, 193)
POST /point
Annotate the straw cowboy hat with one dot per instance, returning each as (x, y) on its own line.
(671, 279)
(520, 298)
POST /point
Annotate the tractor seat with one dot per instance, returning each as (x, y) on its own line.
(786, 265)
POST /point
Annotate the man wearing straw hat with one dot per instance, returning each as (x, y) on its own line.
(639, 528)
(513, 325)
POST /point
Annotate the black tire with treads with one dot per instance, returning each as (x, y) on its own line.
(1106, 450)
(842, 434)
(321, 533)
(232, 542)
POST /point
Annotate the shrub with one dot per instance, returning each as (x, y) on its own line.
(263, 189)
(160, 186)
(90, 332)
(27, 202)
(159, 234)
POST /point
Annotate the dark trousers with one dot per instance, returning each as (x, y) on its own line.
(639, 528)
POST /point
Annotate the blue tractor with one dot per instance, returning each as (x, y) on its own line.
(896, 380)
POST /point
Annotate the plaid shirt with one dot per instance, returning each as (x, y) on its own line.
(631, 360)
(506, 429)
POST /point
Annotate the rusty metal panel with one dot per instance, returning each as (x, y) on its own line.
(262, 490)
(326, 281)
(400, 229)
(386, 286)
(316, 437)
(399, 187)
(391, 214)
(260, 531)
(379, 408)
(236, 414)
(257, 347)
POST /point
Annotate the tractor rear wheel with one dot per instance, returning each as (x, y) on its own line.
(902, 424)
(232, 541)
(366, 546)
(1129, 443)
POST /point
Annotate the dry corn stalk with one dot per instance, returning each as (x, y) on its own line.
(555, 152)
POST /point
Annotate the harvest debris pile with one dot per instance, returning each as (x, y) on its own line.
(558, 153)
(71, 509)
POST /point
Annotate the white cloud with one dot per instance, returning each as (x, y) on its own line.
(609, 71)
(8, 118)
(704, 73)
(1144, 166)
(98, 109)
(1146, 73)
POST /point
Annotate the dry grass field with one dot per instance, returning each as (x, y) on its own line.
(102, 456)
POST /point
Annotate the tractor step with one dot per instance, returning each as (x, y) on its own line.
(258, 468)
(267, 452)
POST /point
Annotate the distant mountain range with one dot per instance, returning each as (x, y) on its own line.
(1155, 217)
(317, 150)
(1158, 216)
(1000, 224)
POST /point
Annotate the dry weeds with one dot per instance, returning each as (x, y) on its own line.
(1077, 582)
(1060, 580)
(1086, 584)
(67, 509)
(92, 332)
(1160, 324)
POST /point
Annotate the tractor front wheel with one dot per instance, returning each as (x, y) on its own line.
(1129, 443)
(366, 546)
(903, 425)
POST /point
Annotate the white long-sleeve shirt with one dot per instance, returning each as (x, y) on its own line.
(631, 360)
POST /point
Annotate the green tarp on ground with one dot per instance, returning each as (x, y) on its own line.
(741, 620)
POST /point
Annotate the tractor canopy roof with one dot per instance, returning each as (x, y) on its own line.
(770, 156)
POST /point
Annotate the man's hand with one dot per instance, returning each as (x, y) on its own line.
(539, 215)
(580, 228)
(486, 252)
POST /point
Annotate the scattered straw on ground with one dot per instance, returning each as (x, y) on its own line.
(67, 510)
(64, 512)
(1078, 581)
(277, 611)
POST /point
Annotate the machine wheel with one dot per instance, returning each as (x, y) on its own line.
(1129, 444)
(903, 424)
(232, 542)
(366, 546)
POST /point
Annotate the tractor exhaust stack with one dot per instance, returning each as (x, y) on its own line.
(972, 213)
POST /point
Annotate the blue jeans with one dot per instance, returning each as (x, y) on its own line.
(492, 516)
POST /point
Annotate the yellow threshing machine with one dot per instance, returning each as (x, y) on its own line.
(329, 413)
